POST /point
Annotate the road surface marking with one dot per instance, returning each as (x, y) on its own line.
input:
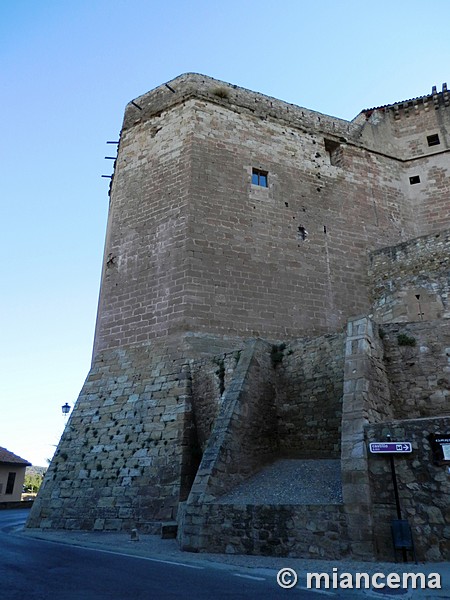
(157, 560)
(316, 591)
(250, 577)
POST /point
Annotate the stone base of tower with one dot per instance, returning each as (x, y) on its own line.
(170, 431)
(126, 452)
(130, 449)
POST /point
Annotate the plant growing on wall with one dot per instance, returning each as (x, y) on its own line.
(220, 373)
(220, 92)
(405, 340)
(277, 354)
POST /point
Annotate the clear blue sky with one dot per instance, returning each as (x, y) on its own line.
(67, 71)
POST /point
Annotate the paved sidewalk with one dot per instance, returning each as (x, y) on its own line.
(151, 546)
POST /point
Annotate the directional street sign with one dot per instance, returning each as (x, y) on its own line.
(390, 447)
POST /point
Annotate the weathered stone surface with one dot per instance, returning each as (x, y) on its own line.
(296, 531)
(309, 381)
(114, 443)
(410, 281)
(193, 245)
(424, 488)
(418, 379)
(220, 342)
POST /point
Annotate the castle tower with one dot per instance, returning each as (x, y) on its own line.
(237, 214)
(232, 216)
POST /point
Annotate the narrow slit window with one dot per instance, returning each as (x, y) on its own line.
(414, 179)
(334, 151)
(433, 140)
(302, 234)
(259, 178)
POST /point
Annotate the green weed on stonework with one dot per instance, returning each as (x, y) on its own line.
(277, 354)
(405, 340)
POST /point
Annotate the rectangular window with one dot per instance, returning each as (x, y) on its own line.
(259, 178)
(10, 483)
(433, 140)
(414, 179)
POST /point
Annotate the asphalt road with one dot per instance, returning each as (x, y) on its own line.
(32, 569)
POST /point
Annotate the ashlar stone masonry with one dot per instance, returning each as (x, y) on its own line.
(275, 292)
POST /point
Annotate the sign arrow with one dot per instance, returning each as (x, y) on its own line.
(390, 447)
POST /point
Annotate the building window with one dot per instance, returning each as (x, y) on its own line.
(433, 140)
(10, 483)
(334, 151)
(414, 179)
(259, 178)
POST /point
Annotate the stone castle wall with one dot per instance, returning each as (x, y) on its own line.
(142, 293)
(126, 451)
(419, 374)
(366, 399)
(147, 415)
(244, 437)
(147, 439)
(132, 446)
(309, 387)
(211, 377)
(249, 238)
(400, 390)
(193, 245)
(410, 281)
(219, 344)
(257, 423)
(424, 488)
(402, 130)
(315, 531)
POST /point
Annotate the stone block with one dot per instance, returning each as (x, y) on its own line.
(113, 524)
(99, 524)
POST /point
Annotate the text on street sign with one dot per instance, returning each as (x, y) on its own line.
(390, 447)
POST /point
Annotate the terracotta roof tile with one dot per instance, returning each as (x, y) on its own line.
(418, 100)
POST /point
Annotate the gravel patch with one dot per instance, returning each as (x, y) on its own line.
(291, 481)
